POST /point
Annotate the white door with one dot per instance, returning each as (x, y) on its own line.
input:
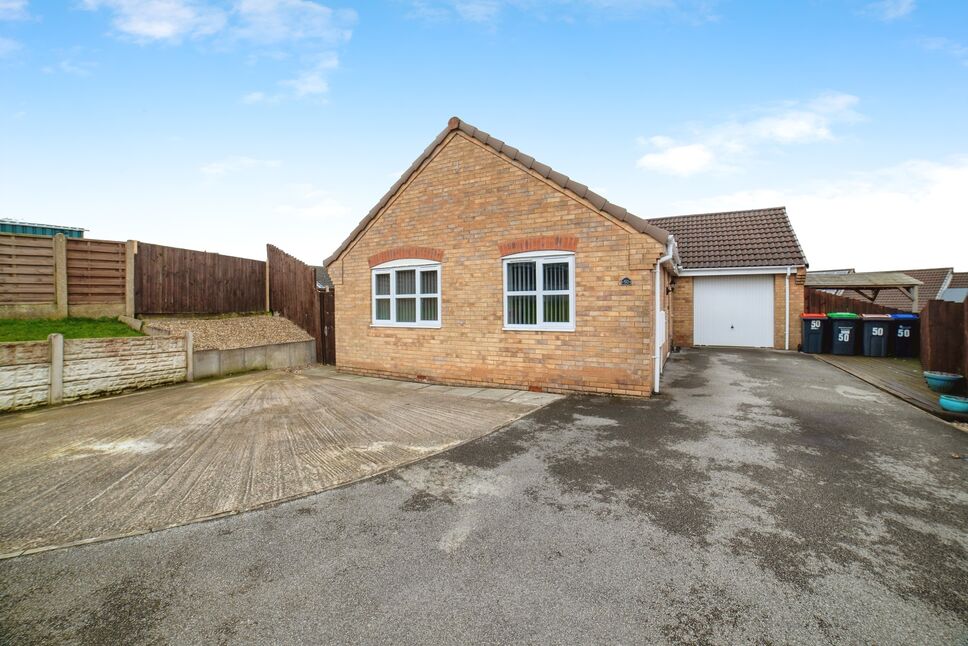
(733, 310)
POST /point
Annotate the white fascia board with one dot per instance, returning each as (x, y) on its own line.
(737, 271)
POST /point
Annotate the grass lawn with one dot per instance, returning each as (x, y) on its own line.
(71, 328)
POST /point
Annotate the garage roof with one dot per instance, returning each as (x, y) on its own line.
(756, 238)
(529, 162)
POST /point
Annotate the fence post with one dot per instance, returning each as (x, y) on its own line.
(55, 344)
(60, 275)
(130, 249)
(268, 309)
(189, 356)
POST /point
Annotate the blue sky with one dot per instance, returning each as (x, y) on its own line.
(224, 125)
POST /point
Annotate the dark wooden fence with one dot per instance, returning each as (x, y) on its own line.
(327, 313)
(293, 293)
(817, 301)
(944, 337)
(95, 271)
(169, 280)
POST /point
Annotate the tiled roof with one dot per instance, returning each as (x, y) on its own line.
(516, 155)
(322, 277)
(959, 280)
(757, 238)
(933, 279)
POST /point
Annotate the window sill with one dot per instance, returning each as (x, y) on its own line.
(536, 328)
(406, 326)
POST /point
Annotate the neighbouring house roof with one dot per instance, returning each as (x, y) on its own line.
(959, 280)
(323, 281)
(512, 153)
(756, 238)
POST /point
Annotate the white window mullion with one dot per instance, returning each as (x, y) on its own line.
(393, 296)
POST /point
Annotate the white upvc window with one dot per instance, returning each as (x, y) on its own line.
(539, 291)
(406, 293)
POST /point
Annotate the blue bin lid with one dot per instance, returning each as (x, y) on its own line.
(904, 317)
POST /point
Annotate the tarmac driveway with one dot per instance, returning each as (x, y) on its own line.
(161, 458)
(763, 498)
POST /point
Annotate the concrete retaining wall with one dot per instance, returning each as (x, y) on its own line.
(53, 371)
(98, 366)
(215, 363)
(24, 374)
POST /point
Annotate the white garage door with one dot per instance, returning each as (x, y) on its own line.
(733, 310)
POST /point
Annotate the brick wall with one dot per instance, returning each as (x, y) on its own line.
(24, 374)
(682, 312)
(779, 308)
(99, 366)
(467, 201)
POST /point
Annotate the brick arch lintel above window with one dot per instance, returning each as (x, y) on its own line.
(539, 243)
(397, 253)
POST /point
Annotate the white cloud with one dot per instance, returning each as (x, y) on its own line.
(723, 145)
(888, 10)
(275, 21)
(678, 160)
(170, 20)
(237, 164)
(71, 67)
(954, 49)
(488, 12)
(13, 9)
(312, 203)
(866, 221)
(8, 47)
(304, 31)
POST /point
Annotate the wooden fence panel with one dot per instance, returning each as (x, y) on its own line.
(293, 293)
(95, 271)
(943, 336)
(817, 301)
(26, 269)
(169, 280)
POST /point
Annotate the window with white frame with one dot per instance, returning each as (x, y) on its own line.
(406, 293)
(539, 291)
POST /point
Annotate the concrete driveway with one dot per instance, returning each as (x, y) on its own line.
(763, 498)
(161, 458)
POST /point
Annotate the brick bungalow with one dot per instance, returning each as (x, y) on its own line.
(741, 282)
(482, 266)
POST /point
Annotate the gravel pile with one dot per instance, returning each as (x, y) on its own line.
(238, 332)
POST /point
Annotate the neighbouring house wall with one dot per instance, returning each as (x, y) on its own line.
(37, 372)
(682, 312)
(24, 374)
(465, 202)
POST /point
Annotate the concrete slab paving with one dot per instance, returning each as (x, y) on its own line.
(162, 458)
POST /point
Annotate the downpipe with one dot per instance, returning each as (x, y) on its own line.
(657, 358)
(786, 329)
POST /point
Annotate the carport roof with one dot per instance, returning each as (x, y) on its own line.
(755, 238)
(861, 280)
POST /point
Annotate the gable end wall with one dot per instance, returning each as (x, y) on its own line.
(466, 201)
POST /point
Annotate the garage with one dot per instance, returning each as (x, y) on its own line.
(734, 311)
(741, 282)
